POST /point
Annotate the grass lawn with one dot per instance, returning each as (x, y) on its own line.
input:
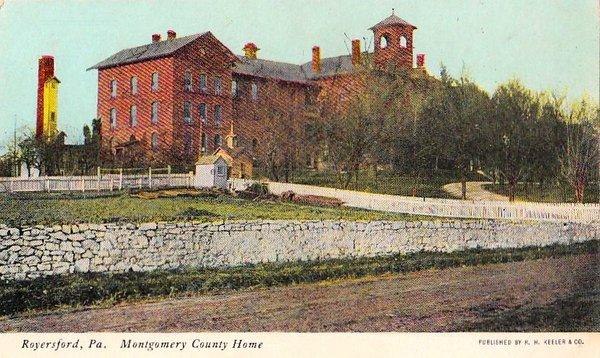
(385, 183)
(77, 290)
(547, 194)
(44, 209)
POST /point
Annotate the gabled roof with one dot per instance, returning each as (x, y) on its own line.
(53, 78)
(392, 20)
(209, 159)
(235, 152)
(270, 69)
(147, 52)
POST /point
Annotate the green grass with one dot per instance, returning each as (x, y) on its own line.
(77, 290)
(48, 210)
(385, 183)
(548, 193)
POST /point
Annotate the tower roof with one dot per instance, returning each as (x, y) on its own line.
(392, 20)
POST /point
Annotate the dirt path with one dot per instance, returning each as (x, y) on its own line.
(420, 301)
(475, 191)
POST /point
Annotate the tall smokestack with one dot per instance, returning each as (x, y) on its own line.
(155, 37)
(316, 59)
(45, 71)
(356, 52)
(171, 35)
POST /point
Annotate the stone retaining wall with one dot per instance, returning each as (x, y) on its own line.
(47, 250)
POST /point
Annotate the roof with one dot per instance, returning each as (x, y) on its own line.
(53, 78)
(235, 152)
(208, 159)
(147, 52)
(392, 20)
(331, 66)
(270, 69)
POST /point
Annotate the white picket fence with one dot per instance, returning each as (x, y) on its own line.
(451, 208)
(105, 182)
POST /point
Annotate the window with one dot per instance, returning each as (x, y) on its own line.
(202, 112)
(113, 118)
(217, 115)
(113, 89)
(134, 88)
(187, 81)
(217, 85)
(217, 141)
(203, 143)
(154, 141)
(403, 42)
(154, 86)
(234, 89)
(220, 170)
(254, 143)
(133, 116)
(187, 112)
(154, 117)
(384, 41)
(202, 82)
(187, 143)
(254, 91)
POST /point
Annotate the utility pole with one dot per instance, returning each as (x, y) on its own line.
(14, 161)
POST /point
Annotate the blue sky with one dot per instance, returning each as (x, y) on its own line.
(549, 44)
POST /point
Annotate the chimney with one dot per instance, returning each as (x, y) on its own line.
(316, 59)
(250, 50)
(156, 38)
(421, 60)
(171, 35)
(356, 52)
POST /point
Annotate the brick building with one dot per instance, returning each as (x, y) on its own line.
(177, 98)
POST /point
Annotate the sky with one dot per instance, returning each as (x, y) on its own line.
(548, 44)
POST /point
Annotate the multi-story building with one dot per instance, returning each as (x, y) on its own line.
(182, 96)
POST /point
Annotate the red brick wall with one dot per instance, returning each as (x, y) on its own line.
(204, 56)
(142, 100)
(394, 53)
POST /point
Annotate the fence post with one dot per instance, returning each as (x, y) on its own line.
(83, 184)
(120, 178)
(10, 187)
(98, 172)
(150, 177)
(169, 169)
(47, 184)
(111, 184)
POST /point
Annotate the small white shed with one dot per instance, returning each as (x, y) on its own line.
(211, 172)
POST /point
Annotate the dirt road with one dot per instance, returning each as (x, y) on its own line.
(421, 301)
(475, 191)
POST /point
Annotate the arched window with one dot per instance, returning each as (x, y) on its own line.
(203, 143)
(113, 118)
(218, 140)
(154, 141)
(403, 42)
(187, 81)
(154, 84)
(384, 41)
(134, 85)
(154, 117)
(133, 116)
(113, 88)
(187, 112)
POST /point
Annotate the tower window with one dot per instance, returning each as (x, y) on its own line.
(403, 42)
(384, 41)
